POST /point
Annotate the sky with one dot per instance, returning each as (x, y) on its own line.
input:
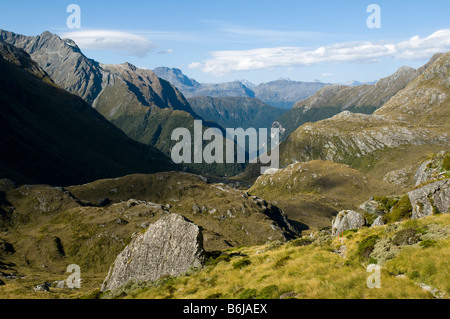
(254, 40)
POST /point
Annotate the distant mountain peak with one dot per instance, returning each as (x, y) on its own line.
(48, 34)
(176, 77)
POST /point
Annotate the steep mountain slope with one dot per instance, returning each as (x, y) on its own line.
(424, 102)
(51, 136)
(135, 100)
(334, 99)
(72, 70)
(177, 78)
(235, 112)
(413, 122)
(148, 88)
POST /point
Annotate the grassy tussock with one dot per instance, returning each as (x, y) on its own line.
(316, 271)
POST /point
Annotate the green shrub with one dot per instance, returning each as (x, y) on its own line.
(281, 262)
(349, 232)
(248, 294)
(370, 218)
(241, 263)
(402, 209)
(446, 162)
(427, 243)
(386, 203)
(96, 294)
(413, 275)
(406, 236)
(366, 246)
(215, 260)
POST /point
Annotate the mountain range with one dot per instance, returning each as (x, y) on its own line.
(416, 114)
(144, 106)
(281, 93)
(333, 99)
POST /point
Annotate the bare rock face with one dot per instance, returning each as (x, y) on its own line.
(431, 198)
(430, 169)
(345, 220)
(171, 246)
(371, 207)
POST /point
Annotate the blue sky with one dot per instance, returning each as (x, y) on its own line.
(218, 41)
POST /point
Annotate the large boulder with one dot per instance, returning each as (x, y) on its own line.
(345, 220)
(171, 246)
(431, 198)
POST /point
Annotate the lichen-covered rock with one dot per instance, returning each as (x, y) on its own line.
(345, 220)
(378, 221)
(372, 207)
(431, 198)
(171, 246)
(399, 177)
(430, 169)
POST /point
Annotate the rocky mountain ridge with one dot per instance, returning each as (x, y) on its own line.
(333, 99)
(280, 93)
(51, 136)
(415, 116)
(88, 78)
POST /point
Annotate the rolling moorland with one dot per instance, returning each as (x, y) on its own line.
(85, 178)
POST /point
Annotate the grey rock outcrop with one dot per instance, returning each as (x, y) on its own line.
(431, 198)
(378, 221)
(371, 207)
(430, 169)
(345, 220)
(42, 287)
(171, 246)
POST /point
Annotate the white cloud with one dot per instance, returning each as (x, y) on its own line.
(417, 48)
(326, 75)
(225, 62)
(128, 43)
(168, 51)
